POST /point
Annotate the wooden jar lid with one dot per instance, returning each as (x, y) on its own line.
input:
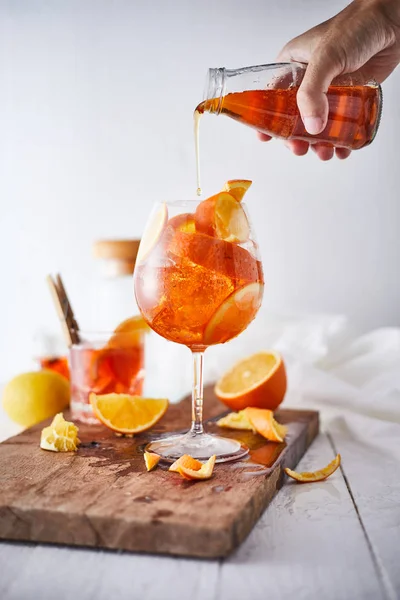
(119, 254)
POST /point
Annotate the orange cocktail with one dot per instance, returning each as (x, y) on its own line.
(199, 282)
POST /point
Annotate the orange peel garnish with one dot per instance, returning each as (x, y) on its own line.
(205, 472)
(237, 188)
(186, 461)
(151, 460)
(223, 217)
(320, 475)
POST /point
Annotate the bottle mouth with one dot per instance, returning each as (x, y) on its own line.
(214, 89)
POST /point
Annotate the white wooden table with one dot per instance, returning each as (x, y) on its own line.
(338, 539)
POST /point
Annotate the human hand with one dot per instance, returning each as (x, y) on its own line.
(364, 37)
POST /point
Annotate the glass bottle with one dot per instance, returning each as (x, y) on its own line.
(264, 98)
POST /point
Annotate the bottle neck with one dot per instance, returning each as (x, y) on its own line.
(214, 90)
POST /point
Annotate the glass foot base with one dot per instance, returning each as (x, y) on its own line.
(200, 446)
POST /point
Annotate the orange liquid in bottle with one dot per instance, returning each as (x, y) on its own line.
(354, 113)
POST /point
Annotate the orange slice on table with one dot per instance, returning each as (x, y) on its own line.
(205, 472)
(151, 460)
(234, 314)
(237, 188)
(320, 475)
(127, 414)
(186, 461)
(258, 380)
(223, 217)
(152, 233)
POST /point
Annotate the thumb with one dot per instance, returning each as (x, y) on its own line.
(312, 101)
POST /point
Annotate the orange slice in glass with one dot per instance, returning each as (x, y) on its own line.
(186, 461)
(128, 333)
(152, 233)
(320, 475)
(237, 188)
(214, 254)
(258, 380)
(151, 460)
(264, 423)
(205, 472)
(223, 217)
(234, 315)
(127, 414)
(184, 222)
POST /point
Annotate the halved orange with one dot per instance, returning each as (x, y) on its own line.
(128, 333)
(262, 419)
(320, 475)
(223, 217)
(258, 380)
(237, 188)
(205, 472)
(152, 233)
(234, 314)
(186, 461)
(127, 414)
(151, 460)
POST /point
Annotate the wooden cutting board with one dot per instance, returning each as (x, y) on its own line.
(102, 496)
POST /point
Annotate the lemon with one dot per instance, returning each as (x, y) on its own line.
(60, 435)
(32, 397)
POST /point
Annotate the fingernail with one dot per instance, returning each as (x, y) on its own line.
(313, 125)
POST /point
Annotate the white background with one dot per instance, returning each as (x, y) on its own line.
(96, 110)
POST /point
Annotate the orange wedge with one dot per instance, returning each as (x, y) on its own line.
(234, 314)
(205, 472)
(223, 217)
(151, 460)
(186, 461)
(264, 423)
(237, 188)
(128, 333)
(152, 233)
(258, 380)
(127, 414)
(320, 475)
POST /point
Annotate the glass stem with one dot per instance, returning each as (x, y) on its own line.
(197, 394)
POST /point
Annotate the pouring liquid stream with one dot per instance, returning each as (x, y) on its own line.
(196, 118)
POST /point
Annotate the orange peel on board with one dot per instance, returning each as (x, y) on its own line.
(186, 461)
(320, 475)
(258, 420)
(151, 460)
(205, 472)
